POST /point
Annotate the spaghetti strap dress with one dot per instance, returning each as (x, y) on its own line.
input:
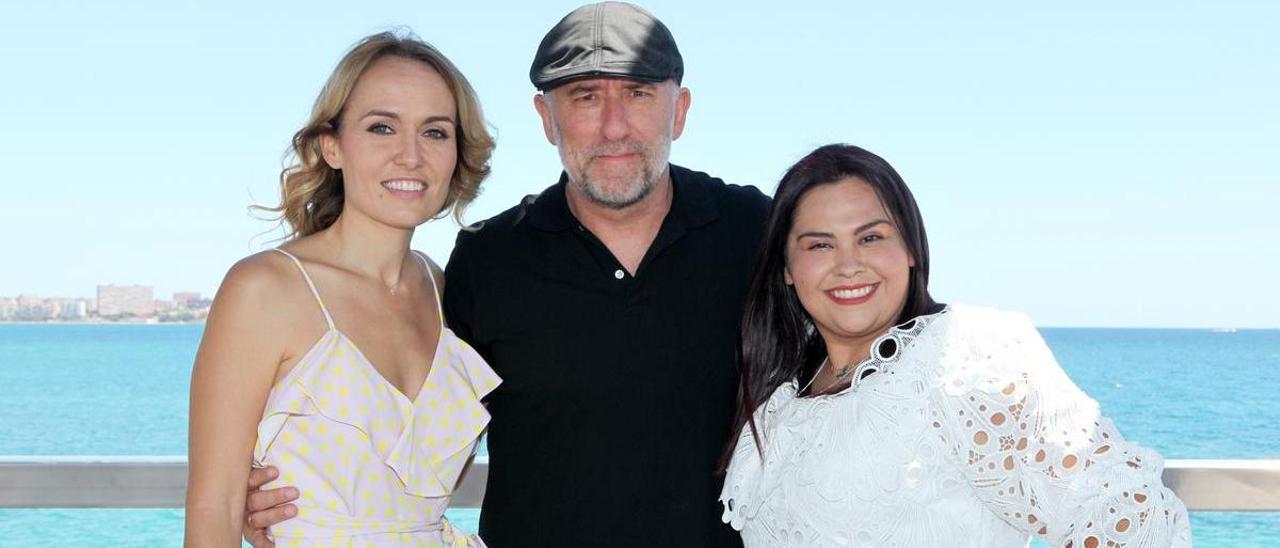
(373, 467)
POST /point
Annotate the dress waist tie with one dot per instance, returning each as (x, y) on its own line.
(316, 523)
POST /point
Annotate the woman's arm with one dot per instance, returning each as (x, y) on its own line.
(233, 373)
(1039, 453)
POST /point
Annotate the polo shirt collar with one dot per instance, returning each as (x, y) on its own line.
(691, 206)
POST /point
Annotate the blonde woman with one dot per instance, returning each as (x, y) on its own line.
(328, 357)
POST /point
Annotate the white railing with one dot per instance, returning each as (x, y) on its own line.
(160, 482)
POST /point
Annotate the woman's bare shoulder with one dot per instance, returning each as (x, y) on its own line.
(264, 294)
(259, 275)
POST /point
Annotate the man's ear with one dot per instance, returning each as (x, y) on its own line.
(683, 98)
(541, 102)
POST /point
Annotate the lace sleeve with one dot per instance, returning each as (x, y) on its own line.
(1037, 451)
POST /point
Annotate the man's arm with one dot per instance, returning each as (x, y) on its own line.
(264, 508)
(459, 296)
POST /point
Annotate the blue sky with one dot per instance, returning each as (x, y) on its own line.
(1091, 164)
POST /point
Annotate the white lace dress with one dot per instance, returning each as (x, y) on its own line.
(969, 434)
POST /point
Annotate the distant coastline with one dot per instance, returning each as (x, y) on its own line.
(100, 322)
(114, 304)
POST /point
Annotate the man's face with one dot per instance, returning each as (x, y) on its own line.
(614, 134)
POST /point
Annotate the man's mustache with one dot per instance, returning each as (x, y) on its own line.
(615, 149)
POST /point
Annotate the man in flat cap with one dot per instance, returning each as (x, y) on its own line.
(609, 304)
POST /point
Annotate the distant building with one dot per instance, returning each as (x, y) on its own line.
(33, 308)
(183, 299)
(73, 309)
(163, 306)
(8, 308)
(126, 300)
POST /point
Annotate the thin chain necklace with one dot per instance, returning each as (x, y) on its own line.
(884, 351)
(842, 374)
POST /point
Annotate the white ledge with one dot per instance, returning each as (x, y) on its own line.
(36, 481)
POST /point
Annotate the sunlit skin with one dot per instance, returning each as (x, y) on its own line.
(395, 144)
(614, 138)
(614, 134)
(850, 269)
(397, 132)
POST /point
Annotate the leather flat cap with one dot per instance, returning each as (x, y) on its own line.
(606, 39)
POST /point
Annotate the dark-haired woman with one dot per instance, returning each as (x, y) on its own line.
(873, 416)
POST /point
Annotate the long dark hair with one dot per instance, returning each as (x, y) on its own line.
(779, 342)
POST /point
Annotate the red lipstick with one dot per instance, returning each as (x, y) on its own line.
(852, 294)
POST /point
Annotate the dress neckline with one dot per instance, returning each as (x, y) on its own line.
(431, 368)
(333, 328)
(884, 352)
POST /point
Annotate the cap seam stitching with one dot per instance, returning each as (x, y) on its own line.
(597, 40)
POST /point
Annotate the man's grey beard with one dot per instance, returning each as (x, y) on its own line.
(655, 161)
(631, 194)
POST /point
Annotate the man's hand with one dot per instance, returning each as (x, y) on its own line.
(263, 509)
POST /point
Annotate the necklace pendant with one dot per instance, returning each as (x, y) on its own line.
(845, 372)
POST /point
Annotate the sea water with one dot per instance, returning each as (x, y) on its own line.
(74, 389)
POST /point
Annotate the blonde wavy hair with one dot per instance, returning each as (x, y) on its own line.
(311, 194)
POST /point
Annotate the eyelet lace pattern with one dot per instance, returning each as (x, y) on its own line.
(977, 438)
(886, 348)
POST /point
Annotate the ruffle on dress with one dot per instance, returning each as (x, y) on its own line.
(337, 382)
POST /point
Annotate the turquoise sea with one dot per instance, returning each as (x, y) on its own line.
(122, 390)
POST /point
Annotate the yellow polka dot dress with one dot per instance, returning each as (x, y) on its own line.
(373, 467)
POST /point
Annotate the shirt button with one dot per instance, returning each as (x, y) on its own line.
(619, 274)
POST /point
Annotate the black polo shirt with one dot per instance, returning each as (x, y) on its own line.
(617, 391)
